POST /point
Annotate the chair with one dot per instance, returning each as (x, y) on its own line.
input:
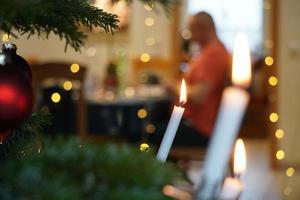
(42, 72)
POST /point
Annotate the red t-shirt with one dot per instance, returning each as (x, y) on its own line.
(211, 66)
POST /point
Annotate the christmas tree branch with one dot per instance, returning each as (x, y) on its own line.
(61, 17)
(25, 138)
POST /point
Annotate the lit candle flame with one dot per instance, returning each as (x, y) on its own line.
(239, 166)
(241, 63)
(182, 99)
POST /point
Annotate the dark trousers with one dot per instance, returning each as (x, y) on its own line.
(186, 135)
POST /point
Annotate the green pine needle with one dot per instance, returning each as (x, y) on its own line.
(61, 17)
(25, 139)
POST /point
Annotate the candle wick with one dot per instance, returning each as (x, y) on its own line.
(181, 104)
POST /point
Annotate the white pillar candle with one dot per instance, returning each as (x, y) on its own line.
(232, 108)
(172, 127)
(232, 189)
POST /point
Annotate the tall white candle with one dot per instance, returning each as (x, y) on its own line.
(172, 127)
(233, 105)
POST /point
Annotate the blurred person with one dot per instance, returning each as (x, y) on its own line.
(205, 80)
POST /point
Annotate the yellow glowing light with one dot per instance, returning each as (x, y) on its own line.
(240, 162)
(144, 147)
(175, 192)
(67, 85)
(149, 21)
(74, 68)
(269, 60)
(168, 190)
(287, 191)
(241, 63)
(55, 97)
(5, 37)
(145, 57)
(148, 7)
(273, 81)
(274, 117)
(186, 34)
(290, 171)
(280, 154)
(142, 113)
(150, 41)
(183, 96)
(150, 128)
(279, 133)
(129, 92)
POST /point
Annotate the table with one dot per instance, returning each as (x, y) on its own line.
(120, 116)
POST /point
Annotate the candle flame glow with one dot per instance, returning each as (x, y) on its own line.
(239, 166)
(182, 99)
(241, 64)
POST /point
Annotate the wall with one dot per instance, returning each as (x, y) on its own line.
(289, 82)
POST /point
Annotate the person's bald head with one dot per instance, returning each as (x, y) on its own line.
(202, 27)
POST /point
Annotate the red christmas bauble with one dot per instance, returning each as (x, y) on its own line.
(22, 65)
(16, 96)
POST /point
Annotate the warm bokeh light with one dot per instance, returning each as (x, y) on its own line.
(168, 190)
(150, 128)
(129, 92)
(144, 147)
(148, 7)
(269, 60)
(176, 193)
(145, 57)
(74, 68)
(55, 97)
(142, 113)
(150, 41)
(183, 95)
(186, 34)
(67, 85)
(279, 133)
(149, 21)
(280, 154)
(290, 171)
(273, 80)
(241, 63)
(240, 162)
(5, 37)
(273, 117)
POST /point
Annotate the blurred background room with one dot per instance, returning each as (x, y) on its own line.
(113, 90)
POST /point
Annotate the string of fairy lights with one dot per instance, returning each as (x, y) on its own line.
(273, 82)
(150, 41)
(145, 57)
